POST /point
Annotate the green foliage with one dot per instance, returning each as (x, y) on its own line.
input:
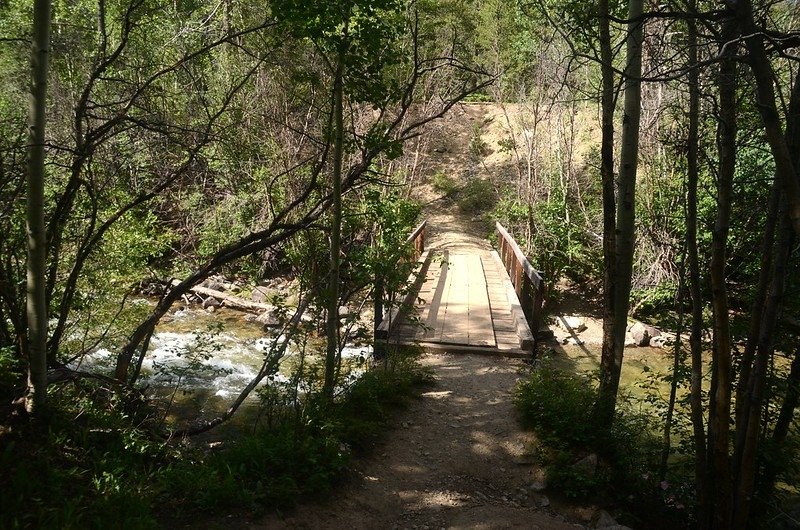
(362, 34)
(269, 469)
(584, 460)
(98, 467)
(557, 405)
(369, 402)
(477, 145)
(11, 372)
(91, 469)
(477, 196)
(444, 183)
(557, 246)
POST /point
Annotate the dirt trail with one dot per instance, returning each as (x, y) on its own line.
(456, 459)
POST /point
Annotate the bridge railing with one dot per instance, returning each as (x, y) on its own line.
(527, 281)
(417, 239)
(384, 320)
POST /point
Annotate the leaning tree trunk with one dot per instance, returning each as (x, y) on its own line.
(37, 251)
(749, 419)
(611, 368)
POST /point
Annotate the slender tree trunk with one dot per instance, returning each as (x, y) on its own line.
(37, 238)
(763, 74)
(759, 299)
(720, 407)
(790, 402)
(749, 412)
(626, 213)
(749, 426)
(609, 200)
(677, 361)
(695, 335)
(332, 323)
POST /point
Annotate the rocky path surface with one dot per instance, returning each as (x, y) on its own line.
(456, 459)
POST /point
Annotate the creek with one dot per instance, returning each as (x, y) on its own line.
(198, 362)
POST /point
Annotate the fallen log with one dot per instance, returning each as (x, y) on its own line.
(230, 300)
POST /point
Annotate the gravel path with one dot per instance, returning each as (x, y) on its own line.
(456, 459)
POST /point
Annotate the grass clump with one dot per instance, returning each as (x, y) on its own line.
(477, 196)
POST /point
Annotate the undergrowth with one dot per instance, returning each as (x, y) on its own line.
(585, 461)
(98, 464)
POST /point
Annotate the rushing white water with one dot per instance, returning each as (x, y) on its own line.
(215, 353)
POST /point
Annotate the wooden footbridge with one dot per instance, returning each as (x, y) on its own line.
(468, 300)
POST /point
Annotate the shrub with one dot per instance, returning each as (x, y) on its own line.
(582, 458)
(444, 183)
(477, 196)
(558, 406)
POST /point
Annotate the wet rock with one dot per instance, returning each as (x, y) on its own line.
(214, 284)
(587, 463)
(602, 519)
(268, 319)
(544, 502)
(537, 485)
(659, 342)
(211, 302)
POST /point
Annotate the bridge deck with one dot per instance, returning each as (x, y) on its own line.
(465, 302)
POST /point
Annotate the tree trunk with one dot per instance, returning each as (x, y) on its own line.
(332, 322)
(693, 172)
(763, 74)
(607, 176)
(677, 361)
(751, 393)
(610, 369)
(719, 474)
(790, 402)
(749, 425)
(37, 238)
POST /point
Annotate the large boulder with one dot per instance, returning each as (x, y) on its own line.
(604, 520)
(214, 283)
(211, 302)
(268, 319)
(642, 333)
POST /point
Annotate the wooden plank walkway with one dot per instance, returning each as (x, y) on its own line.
(465, 302)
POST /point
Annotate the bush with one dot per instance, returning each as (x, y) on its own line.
(558, 406)
(369, 402)
(582, 458)
(98, 465)
(444, 183)
(478, 196)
